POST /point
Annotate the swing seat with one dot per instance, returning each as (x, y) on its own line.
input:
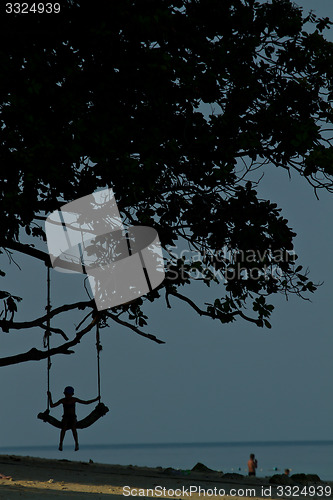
(99, 411)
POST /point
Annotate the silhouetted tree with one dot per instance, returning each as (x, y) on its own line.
(178, 106)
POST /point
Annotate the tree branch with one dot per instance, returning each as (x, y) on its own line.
(134, 328)
(39, 254)
(11, 325)
(27, 250)
(54, 330)
(190, 302)
(36, 355)
(205, 313)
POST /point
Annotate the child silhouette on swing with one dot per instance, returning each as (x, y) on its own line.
(69, 416)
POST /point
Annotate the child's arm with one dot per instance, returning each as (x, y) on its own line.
(77, 400)
(53, 405)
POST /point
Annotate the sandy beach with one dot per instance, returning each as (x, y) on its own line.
(36, 478)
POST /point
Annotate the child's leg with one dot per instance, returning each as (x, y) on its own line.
(76, 439)
(62, 435)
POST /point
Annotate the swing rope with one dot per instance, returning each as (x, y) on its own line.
(100, 409)
(48, 333)
(98, 349)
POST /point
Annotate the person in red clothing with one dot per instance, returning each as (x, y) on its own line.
(69, 416)
(252, 464)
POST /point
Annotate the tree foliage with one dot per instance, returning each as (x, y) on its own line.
(179, 106)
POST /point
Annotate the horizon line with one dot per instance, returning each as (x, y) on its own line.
(182, 444)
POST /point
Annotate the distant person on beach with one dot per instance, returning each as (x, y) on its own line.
(287, 472)
(252, 464)
(69, 416)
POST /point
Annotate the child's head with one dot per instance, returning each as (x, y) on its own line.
(69, 391)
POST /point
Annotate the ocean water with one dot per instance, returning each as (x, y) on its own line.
(309, 457)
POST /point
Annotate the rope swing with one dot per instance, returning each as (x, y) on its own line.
(98, 349)
(48, 332)
(100, 410)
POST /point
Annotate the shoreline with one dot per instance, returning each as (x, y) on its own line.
(40, 478)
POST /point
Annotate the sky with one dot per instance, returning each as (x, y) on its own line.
(209, 382)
